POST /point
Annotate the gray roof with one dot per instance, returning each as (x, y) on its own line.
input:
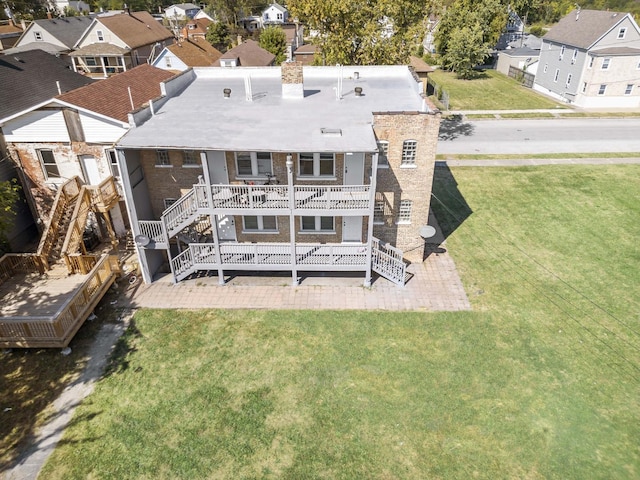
(616, 51)
(67, 30)
(200, 118)
(528, 40)
(44, 46)
(30, 78)
(520, 52)
(582, 28)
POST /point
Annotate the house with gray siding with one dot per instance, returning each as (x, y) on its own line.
(591, 59)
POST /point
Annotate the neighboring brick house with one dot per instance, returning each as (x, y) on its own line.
(195, 29)
(29, 80)
(73, 134)
(592, 58)
(116, 43)
(187, 54)
(55, 36)
(297, 169)
(248, 54)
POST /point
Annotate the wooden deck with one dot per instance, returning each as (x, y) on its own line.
(46, 310)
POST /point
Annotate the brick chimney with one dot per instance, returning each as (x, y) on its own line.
(292, 80)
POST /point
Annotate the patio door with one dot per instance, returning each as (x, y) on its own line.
(218, 175)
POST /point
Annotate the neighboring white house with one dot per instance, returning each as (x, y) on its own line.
(592, 58)
(182, 10)
(57, 35)
(77, 5)
(275, 13)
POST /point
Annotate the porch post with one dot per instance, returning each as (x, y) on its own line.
(213, 219)
(372, 201)
(292, 220)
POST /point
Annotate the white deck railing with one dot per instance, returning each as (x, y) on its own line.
(152, 229)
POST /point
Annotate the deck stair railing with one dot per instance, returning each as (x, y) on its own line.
(184, 211)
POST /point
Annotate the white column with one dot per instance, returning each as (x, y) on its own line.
(292, 220)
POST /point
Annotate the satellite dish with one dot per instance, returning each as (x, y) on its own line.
(142, 240)
(425, 232)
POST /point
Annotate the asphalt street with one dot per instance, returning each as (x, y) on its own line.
(526, 136)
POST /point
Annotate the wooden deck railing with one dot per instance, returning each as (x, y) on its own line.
(105, 195)
(13, 263)
(73, 239)
(56, 331)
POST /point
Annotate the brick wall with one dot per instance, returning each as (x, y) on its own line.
(398, 182)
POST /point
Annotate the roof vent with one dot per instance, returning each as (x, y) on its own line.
(358, 91)
(226, 92)
(331, 132)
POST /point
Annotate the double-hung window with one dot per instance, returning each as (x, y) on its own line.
(316, 164)
(113, 162)
(605, 63)
(629, 89)
(561, 53)
(383, 154)
(190, 158)
(568, 80)
(409, 148)
(621, 33)
(317, 224)
(404, 215)
(602, 89)
(555, 75)
(259, 223)
(162, 158)
(253, 164)
(574, 56)
(49, 165)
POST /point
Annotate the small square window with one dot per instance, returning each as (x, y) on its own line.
(250, 222)
(409, 148)
(38, 36)
(308, 223)
(605, 63)
(190, 158)
(49, 165)
(169, 201)
(383, 153)
(404, 215)
(621, 33)
(629, 89)
(326, 223)
(602, 89)
(162, 158)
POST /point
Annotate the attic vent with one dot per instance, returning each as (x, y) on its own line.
(331, 132)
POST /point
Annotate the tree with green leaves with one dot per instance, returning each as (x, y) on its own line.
(274, 40)
(467, 30)
(218, 35)
(352, 32)
(9, 195)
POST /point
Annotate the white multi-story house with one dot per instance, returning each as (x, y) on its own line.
(592, 58)
(286, 168)
(275, 13)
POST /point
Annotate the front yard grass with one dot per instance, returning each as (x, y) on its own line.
(491, 91)
(541, 380)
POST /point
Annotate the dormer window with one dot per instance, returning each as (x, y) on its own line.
(38, 36)
(100, 35)
(621, 33)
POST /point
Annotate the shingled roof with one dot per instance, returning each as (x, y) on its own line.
(195, 53)
(110, 97)
(29, 78)
(582, 28)
(136, 29)
(66, 30)
(250, 54)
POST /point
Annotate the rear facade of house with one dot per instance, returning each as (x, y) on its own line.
(319, 169)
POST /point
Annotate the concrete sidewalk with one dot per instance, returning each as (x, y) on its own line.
(518, 162)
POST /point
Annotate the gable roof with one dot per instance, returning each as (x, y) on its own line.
(136, 28)
(30, 78)
(110, 97)
(250, 54)
(277, 7)
(183, 6)
(582, 28)
(195, 53)
(66, 30)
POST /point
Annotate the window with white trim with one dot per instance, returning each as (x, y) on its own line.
(591, 60)
(167, 61)
(113, 162)
(191, 158)
(100, 35)
(561, 53)
(584, 87)
(629, 89)
(259, 223)
(622, 32)
(605, 63)
(49, 165)
(162, 158)
(316, 164)
(378, 211)
(317, 224)
(569, 80)
(38, 36)
(555, 77)
(574, 56)
(253, 164)
(409, 148)
(404, 214)
(602, 89)
(383, 153)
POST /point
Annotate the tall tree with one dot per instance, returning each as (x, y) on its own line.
(274, 40)
(9, 195)
(218, 35)
(361, 33)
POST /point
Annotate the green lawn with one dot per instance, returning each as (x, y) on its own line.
(491, 91)
(541, 380)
